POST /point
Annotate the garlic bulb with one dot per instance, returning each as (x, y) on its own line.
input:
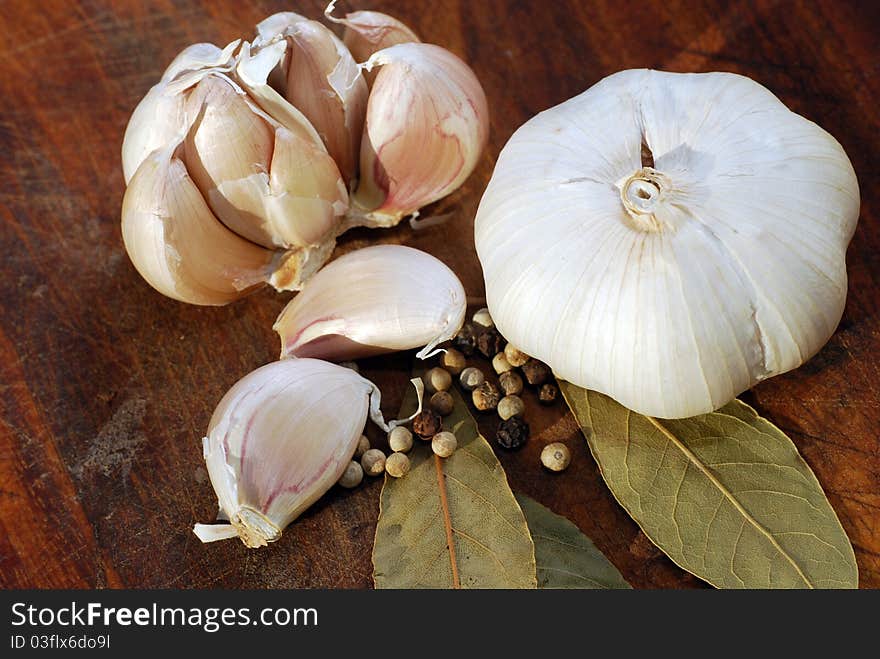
(319, 77)
(374, 300)
(668, 239)
(279, 439)
(427, 124)
(367, 32)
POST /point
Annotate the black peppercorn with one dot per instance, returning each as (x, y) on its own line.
(512, 433)
(427, 424)
(490, 342)
(548, 394)
(536, 372)
(466, 340)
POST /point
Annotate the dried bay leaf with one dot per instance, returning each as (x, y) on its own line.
(725, 495)
(465, 497)
(564, 556)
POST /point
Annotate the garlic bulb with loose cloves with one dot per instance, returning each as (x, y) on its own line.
(374, 300)
(427, 124)
(668, 239)
(279, 439)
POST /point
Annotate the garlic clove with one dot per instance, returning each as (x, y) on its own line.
(263, 181)
(321, 79)
(374, 300)
(427, 124)
(685, 239)
(367, 32)
(279, 439)
(159, 119)
(176, 243)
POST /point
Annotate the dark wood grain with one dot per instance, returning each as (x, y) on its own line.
(106, 387)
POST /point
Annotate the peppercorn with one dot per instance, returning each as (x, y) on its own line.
(442, 403)
(515, 356)
(548, 394)
(466, 340)
(490, 343)
(397, 465)
(536, 372)
(556, 456)
(444, 444)
(427, 424)
(512, 433)
(352, 476)
(484, 318)
(511, 383)
(510, 406)
(373, 462)
(437, 379)
(453, 361)
(486, 397)
(471, 378)
(400, 440)
(362, 447)
(500, 363)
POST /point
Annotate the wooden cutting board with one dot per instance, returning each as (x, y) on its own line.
(106, 387)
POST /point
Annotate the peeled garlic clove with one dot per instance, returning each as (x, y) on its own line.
(668, 239)
(177, 244)
(321, 79)
(160, 119)
(279, 439)
(367, 32)
(427, 123)
(262, 181)
(374, 300)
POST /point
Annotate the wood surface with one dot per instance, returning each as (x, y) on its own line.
(106, 387)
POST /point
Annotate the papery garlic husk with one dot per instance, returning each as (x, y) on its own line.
(179, 247)
(160, 118)
(375, 300)
(321, 79)
(427, 124)
(267, 183)
(368, 32)
(279, 439)
(668, 239)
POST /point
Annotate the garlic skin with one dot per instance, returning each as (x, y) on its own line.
(319, 76)
(279, 439)
(427, 124)
(668, 239)
(375, 300)
(367, 32)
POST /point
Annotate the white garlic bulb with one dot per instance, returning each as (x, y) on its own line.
(668, 239)
(427, 124)
(279, 439)
(374, 300)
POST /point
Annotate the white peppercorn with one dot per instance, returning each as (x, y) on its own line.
(556, 456)
(444, 444)
(471, 378)
(442, 403)
(484, 318)
(362, 447)
(510, 406)
(500, 363)
(437, 379)
(373, 462)
(515, 356)
(352, 476)
(453, 361)
(511, 383)
(397, 465)
(400, 440)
